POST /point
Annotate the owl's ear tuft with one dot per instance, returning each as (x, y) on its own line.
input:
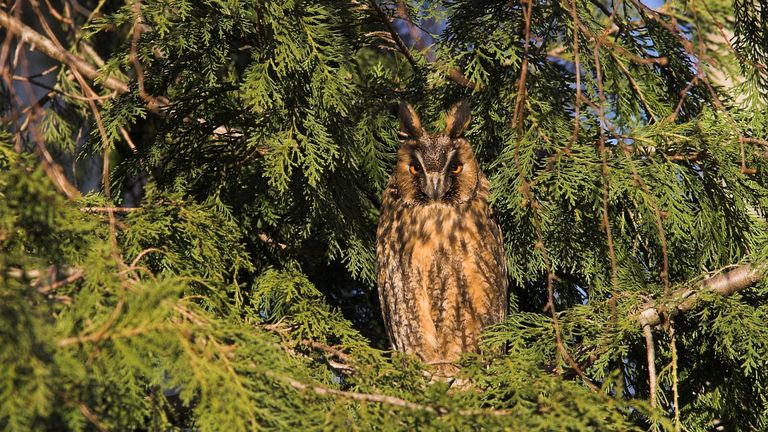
(410, 125)
(458, 118)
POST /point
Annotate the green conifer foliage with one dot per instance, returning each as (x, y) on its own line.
(189, 192)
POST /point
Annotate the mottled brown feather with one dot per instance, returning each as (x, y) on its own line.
(440, 262)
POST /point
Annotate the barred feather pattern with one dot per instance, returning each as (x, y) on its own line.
(441, 267)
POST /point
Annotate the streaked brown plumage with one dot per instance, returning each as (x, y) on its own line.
(440, 257)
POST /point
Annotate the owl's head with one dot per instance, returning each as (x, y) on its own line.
(436, 168)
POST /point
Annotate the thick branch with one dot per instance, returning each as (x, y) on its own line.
(651, 357)
(686, 299)
(47, 47)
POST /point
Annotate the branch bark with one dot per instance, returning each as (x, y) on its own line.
(651, 358)
(685, 299)
(29, 36)
(109, 209)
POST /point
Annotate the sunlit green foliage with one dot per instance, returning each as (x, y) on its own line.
(237, 292)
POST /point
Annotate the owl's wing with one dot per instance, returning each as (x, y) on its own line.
(387, 263)
(496, 241)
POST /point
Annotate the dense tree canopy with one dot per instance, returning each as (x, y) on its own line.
(189, 191)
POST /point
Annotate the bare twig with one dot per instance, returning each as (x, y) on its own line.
(54, 171)
(58, 284)
(332, 352)
(142, 254)
(389, 400)
(109, 209)
(651, 357)
(87, 413)
(402, 13)
(393, 32)
(341, 355)
(100, 336)
(675, 383)
(47, 47)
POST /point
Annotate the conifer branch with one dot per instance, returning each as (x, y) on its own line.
(685, 299)
(390, 400)
(675, 379)
(105, 335)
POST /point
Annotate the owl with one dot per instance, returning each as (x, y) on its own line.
(441, 267)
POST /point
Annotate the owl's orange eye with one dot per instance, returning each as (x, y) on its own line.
(457, 168)
(414, 168)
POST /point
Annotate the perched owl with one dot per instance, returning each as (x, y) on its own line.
(440, 257)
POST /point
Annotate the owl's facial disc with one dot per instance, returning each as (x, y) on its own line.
(435, 180)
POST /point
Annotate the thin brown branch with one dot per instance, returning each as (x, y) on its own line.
(91, 417)
(142, 254)
(518, 123)
(109, 209)
(331, 352)
(137, 24)
(60, 283)
(47, 47)
(393, 32)
(417, 33)
(87, 90)
(402, 13)
(675, 381)
(754, 141)
(388, 400)
(99, 336)
(128, 140)
(577, 70)
(87, 413)
(59, 17)
(54, 171)
(635, 87)
(88, 49)
(605, 169)
(59, 91)
(341, 355)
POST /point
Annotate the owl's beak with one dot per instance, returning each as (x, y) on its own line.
(435, 187)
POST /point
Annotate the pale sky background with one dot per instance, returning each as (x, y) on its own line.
(653, 3)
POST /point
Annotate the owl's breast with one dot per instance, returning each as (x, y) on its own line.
(425, 231)
(442, 244)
